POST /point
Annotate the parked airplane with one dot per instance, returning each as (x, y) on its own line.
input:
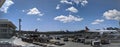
(101, 31)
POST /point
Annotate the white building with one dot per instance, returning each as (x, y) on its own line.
(6, 28)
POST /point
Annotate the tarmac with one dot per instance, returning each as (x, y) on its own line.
(75, 44)
(18, 41)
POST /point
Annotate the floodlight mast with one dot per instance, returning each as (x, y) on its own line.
(20, 25)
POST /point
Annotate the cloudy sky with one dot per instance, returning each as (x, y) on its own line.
(52, 15)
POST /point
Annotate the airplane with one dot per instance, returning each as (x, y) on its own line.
(2, 2)
(101, 31)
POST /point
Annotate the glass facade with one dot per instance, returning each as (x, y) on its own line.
(6, 29)
(3, 25)
(3, 30)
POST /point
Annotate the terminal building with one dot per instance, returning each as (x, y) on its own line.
(7, 28)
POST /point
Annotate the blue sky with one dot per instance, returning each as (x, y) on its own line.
(52, 15)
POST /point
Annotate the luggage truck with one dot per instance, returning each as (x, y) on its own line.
(105, 41)
(100, 42)
(96, 42)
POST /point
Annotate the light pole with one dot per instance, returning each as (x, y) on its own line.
(20, 25)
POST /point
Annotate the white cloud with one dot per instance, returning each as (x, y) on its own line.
(77, 1)
(112, 14)
(23, 10)
(72, 9)
(38, 19)
(6, 6)
(34, 11)
(98, 21)
(82, 2)
(69, 18)
(66, 1)
(58, 6)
